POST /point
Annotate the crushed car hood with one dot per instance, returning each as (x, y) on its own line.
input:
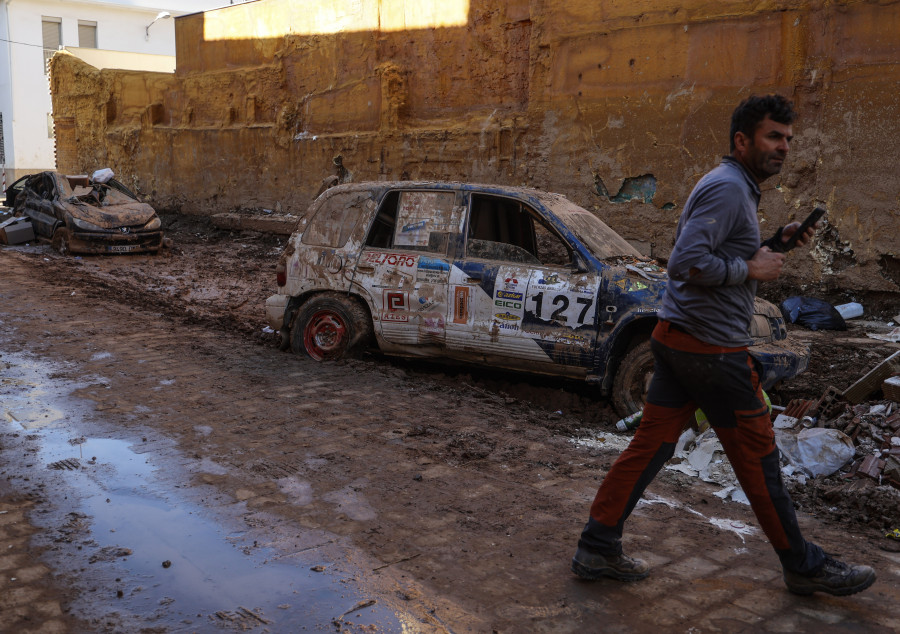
(114, 212)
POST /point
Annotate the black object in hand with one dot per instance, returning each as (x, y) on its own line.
(781, 246)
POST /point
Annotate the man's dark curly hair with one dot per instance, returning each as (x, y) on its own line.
(752, 110)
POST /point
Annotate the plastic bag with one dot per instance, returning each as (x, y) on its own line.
(817, 451)
(815, 314)
(102, 176)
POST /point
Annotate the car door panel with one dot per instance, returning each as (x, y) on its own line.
(560, 313)
(408, 282)
(477, 326)
(519, 308)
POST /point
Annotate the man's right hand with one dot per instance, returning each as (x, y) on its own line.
(765, 265)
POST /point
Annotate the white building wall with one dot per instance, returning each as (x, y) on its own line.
(24, 88)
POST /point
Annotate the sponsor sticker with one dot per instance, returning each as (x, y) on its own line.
(631, 286)
(426, 303)
(396, 306)
(414, 226)
(391, 259)
(432, 271)
(460, 305)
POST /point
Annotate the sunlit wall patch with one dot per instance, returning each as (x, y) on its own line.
(278, 18)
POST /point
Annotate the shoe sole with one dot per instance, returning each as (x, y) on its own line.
(595, 574)
(837, 592)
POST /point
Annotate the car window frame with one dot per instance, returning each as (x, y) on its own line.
(424, 250)
(536, 217)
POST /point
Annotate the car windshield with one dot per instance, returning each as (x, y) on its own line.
(595, 234)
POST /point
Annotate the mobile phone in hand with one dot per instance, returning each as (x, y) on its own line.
(790, 243)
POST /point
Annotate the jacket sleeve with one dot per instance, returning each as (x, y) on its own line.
(696, 258)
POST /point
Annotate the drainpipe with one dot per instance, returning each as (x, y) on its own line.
(7, 138)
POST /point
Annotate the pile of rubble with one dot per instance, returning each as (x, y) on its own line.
(840, 453)
(867, 488)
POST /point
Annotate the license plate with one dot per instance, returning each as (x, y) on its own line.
(122, 248)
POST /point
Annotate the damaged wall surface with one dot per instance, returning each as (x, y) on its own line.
(620, 106)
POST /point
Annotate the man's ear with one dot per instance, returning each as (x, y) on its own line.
(741, 141)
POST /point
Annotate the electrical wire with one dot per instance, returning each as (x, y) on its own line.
(2, 39)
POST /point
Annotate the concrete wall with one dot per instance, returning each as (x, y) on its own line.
(622, 106)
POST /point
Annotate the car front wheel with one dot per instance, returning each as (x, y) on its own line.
(633, 379)
(329, 327)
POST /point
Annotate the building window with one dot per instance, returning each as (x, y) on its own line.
(87, 34)
(51, 29)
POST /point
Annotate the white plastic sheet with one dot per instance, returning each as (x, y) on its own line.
(102, 176)
(816, 451)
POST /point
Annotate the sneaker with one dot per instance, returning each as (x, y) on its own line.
(589, 565)
(835, 577)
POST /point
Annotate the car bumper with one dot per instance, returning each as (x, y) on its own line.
(105, 243)
(275, 311)
(779, 361)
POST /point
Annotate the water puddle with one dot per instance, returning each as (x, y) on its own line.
(149, 556)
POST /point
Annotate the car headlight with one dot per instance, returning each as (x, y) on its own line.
(85, 225)
(153, 225)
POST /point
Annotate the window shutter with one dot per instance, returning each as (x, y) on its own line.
(51, 32)
(87, 34)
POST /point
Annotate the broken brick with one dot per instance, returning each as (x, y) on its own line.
(871, 466)
(860, 390)
(797, 408)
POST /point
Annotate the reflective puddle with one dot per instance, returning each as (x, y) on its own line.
(147, 556)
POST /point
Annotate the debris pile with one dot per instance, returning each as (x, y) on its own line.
(840, 453)
(875, 429)
(867, 488)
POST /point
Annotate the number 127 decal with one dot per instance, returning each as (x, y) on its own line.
(549, 306)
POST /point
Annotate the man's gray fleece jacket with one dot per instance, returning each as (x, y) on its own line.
(708, 294)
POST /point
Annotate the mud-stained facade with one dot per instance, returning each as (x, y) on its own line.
(620, 106)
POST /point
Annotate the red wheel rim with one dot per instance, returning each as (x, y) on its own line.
(325, 335)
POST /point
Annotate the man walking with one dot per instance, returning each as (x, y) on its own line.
(701, 361)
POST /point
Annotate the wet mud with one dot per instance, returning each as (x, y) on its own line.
(452, 497)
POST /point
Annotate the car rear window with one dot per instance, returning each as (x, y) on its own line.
(336, 219)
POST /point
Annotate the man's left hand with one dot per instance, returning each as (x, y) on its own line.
(789, 230)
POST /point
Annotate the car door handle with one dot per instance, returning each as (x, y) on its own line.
(473, 280)
(365, 269)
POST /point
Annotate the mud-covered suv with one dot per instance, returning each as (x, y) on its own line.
(500, 276)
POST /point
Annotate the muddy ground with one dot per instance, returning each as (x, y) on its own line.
(469, 485)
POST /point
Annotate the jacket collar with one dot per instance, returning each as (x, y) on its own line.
(733, 163)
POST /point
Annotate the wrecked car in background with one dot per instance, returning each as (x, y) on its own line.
(88, 215)
(507, 277)
(13, 190)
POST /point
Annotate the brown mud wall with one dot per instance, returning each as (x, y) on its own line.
(621, 106)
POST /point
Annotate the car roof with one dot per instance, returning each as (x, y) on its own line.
(512, 191)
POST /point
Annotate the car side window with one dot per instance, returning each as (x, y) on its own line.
(336, 219)
(505, 229)
(414, 221)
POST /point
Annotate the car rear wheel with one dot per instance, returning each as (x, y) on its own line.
(60, 240)
(633, 379)
(329, 327)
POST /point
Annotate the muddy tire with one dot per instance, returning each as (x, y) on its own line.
(632, 379)
(60, 241)
(330, 326)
